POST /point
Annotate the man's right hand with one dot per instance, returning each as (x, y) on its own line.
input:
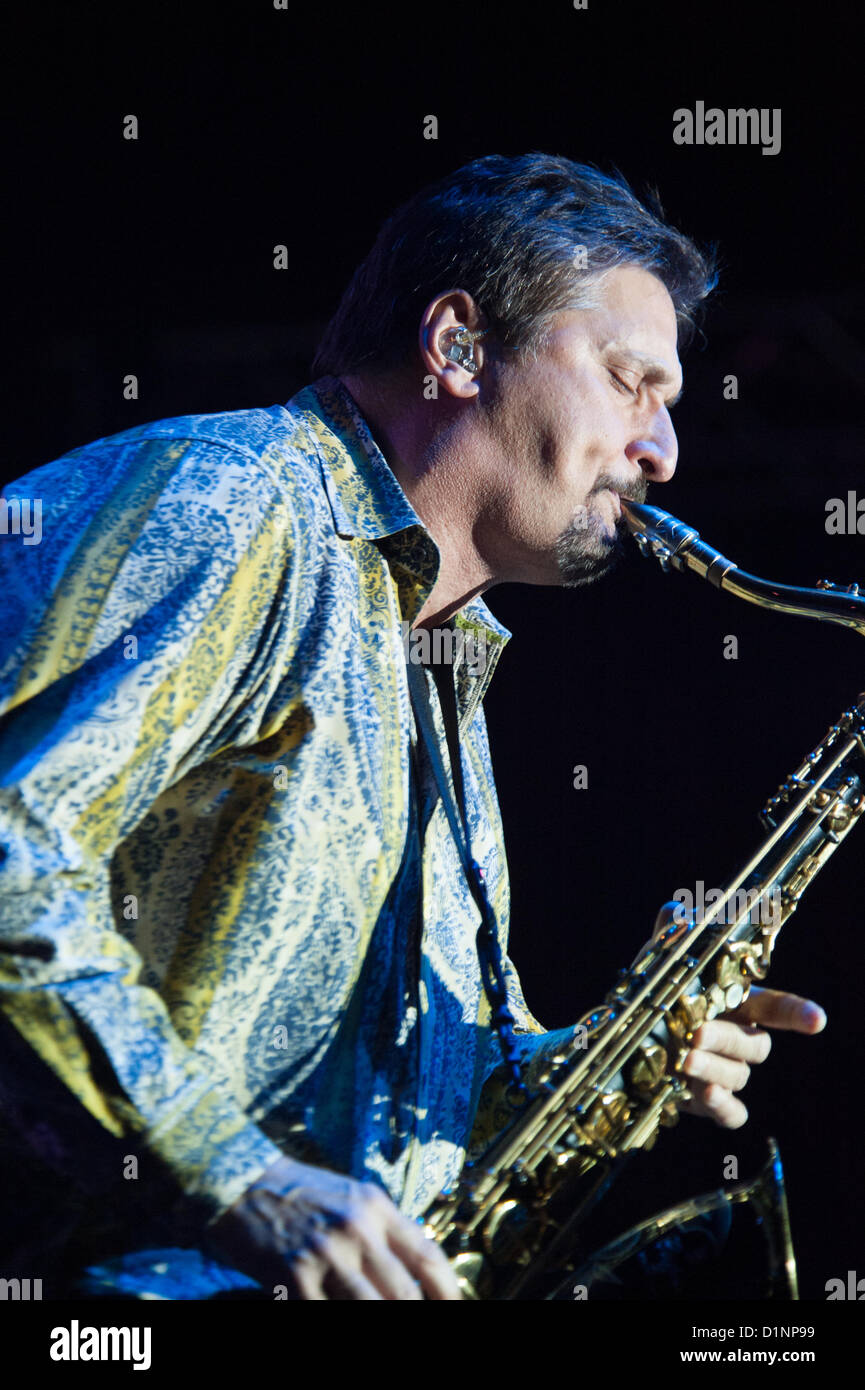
(325, 1236)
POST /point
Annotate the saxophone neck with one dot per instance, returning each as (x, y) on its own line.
(678, 546)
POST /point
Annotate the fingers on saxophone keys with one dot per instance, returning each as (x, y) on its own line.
(744, 1044)
(713, 1069)
(774, 1008)
(716, 1103)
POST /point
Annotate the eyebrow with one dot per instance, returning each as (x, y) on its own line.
(653, 371)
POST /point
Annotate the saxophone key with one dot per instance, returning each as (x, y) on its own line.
(734, 995)
(687, 1016)
(729, 972)
(715, 1001)
(648, 1068)
(607, 1117)
(669, 1115)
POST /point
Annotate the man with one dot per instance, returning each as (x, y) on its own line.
(240, 969)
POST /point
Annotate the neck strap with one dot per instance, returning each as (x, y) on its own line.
(488, 946)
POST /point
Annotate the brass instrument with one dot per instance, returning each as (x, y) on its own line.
(764, 1196)
(511, 1225)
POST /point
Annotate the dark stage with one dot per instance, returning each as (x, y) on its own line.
(260, 127)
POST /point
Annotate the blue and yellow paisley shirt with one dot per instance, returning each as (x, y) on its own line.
(234, 922)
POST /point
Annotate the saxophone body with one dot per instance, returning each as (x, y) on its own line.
(512, 1225)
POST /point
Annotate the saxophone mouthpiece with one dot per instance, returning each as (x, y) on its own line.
(638, 516)
(654, 525)
(675, 545)
(657, 533)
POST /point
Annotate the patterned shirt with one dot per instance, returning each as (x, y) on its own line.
(234, 922)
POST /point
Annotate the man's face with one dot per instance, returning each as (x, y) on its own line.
(586, 423)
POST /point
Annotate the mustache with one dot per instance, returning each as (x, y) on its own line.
(632, 491)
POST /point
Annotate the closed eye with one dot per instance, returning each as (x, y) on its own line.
(622, 385)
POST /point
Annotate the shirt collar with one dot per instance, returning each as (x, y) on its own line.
(367, 501)
(364, 495)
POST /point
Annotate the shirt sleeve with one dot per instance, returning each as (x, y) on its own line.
(131, 639)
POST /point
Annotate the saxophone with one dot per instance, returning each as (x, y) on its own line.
(511, 1226)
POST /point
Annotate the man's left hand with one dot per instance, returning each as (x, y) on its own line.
(724, 1050)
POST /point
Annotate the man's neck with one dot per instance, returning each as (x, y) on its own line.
(440, 491)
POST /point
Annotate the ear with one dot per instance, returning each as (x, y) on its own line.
(450, 314)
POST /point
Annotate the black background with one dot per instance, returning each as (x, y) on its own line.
(259, 127)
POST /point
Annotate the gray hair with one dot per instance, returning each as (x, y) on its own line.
(526, 237)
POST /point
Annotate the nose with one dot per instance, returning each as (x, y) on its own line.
(657, 453)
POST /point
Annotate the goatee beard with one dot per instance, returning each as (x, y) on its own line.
(585, 551)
